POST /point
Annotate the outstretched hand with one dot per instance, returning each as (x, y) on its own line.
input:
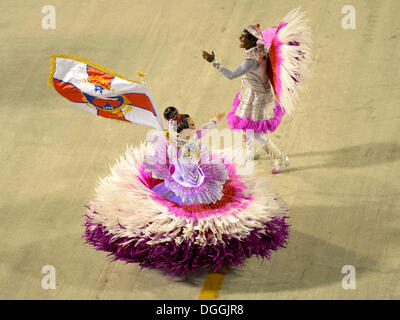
(208, 57)
(219, 116)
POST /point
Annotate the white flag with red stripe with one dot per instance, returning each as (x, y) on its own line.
(102, 92)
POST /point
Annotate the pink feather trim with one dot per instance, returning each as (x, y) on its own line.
(237, 123)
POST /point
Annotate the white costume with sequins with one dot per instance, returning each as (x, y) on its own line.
(188, 163)
(256, 94)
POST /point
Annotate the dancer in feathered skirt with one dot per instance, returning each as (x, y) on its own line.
(169, 203)
(275, 66)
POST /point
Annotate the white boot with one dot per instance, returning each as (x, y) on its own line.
(281, 160)
(280, 164)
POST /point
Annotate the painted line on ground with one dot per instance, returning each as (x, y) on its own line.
(213, 284)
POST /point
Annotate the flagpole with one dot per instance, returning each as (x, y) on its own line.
(142, 76)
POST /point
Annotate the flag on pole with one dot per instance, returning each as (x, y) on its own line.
(103, 92)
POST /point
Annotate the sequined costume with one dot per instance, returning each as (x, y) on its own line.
(272, 73)
(185, 171)
(256, 95)
(170, 204)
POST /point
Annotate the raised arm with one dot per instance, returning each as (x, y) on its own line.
(246, 66)
(206, 128)
(210, 125)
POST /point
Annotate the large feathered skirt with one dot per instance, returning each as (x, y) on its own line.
(135, 224)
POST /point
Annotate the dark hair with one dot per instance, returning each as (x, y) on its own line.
(252, 38)
(171, 113)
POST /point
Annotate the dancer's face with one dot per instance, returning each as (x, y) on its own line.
(191, 123)
(245, 41)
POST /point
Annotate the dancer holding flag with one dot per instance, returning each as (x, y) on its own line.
(275, 65)
(169, 203)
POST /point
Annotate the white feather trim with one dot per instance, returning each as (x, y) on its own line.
(122, 200)
(295, 30)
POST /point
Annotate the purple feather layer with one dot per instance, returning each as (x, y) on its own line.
(187, 257)
(237, 123)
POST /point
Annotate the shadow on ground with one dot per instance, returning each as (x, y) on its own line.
(352, 157)
(308, 261)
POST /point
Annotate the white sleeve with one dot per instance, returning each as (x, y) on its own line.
(246, 66)
(207, 127)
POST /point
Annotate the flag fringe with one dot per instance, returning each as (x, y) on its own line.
(86, 61)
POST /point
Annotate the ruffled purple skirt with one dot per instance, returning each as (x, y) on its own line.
(132, 219)
(237, 123)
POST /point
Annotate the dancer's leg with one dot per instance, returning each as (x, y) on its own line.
(248, 139)
(266, 143)
(280, 159)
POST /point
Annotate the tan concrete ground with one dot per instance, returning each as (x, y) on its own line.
(342, 188)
